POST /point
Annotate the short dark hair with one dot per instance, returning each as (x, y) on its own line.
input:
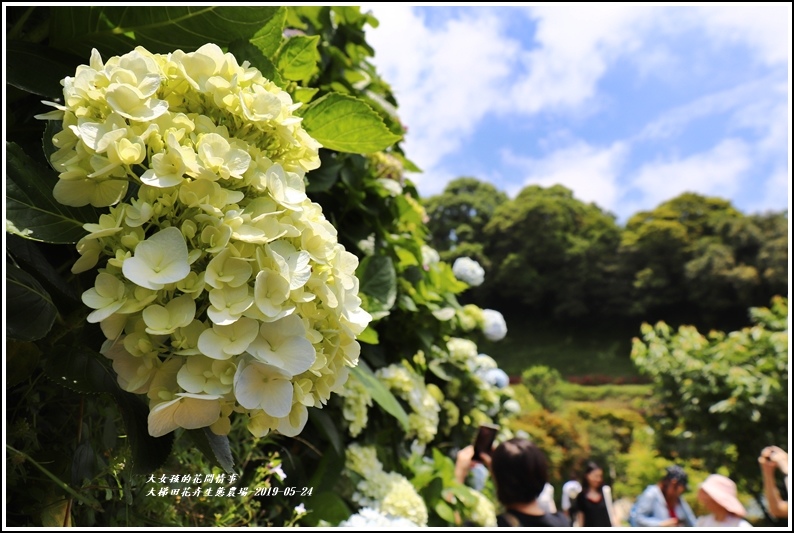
(520, 471)
(677, 474)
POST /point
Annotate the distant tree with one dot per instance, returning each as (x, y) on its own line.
(552, 252)
(772, 261)
(721, 397)
(458, 217)
(700, 254)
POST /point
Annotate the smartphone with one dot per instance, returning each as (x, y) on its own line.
(483, 442)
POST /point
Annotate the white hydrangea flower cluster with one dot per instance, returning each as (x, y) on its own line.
(369, 519)
(462, 350)
(387, 492)
(424, 400)
(494, 326)
(225, 289)
(483, 513)
(468, 271)
(357, 402)
(429, 256)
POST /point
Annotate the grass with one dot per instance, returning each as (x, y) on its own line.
(598, 393)
(581, 350)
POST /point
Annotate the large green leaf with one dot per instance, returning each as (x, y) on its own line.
(327, 506)
(83, 370)
(118, 29)
(29, 256)
(380, 393)
(297, 60)
(347, 124)
(214, 447)
(31, 211)
(378, 279)
(31, 311)
(323, 422)
(269, 37)
(323, 178)
(37, 69)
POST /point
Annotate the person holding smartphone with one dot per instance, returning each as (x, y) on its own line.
(773, 458)
(520, 473)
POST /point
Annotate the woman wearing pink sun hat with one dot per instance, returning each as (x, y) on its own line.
(718, 495)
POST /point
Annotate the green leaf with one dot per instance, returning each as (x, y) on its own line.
(436, 367)
(38, 69)
(159, 29)
(369, 336)
(378, 279)
(32, 312)
(323, 178)
(245, 51)
(328, 506)
(298, 57)
(380, 393)
(347, 124)
(84, 463)
(322, 421)
(445, 512)
(31, 211)
(269, 37)
(214, 447)
(21, 360)
(29, 256)
(327, 473)
(83, 370)
(304, 94)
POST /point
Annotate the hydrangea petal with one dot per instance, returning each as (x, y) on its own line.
(160, 259)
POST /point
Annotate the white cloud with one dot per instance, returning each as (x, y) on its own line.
(673, 121)
(766, 29)
(575, 46)
(777, 192)
(717, 172)
(450, 75)
(591, 173)
(445, 79)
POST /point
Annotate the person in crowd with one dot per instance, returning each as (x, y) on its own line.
(570, 490)
(661, 505)
(773, 458)
(718, 495)
(594, 508)
(520, 473)
(546, 499)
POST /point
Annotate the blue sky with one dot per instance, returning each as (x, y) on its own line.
(628, 106)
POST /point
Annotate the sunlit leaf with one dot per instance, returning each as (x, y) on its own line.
(298, 57)
(346, 124)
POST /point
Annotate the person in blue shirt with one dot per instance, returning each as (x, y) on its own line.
(661, 505)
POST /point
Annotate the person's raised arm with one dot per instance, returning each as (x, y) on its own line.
(772, 458)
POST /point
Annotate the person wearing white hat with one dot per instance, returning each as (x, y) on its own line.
(718, 495)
